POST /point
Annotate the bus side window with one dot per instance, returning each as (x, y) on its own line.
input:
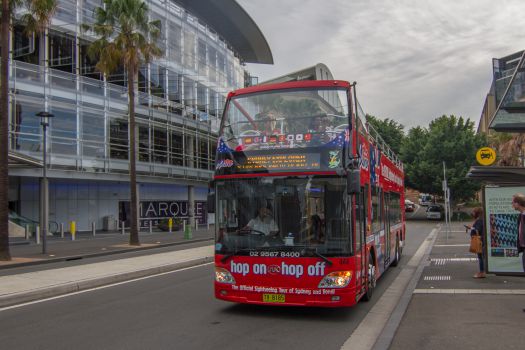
(359, 218)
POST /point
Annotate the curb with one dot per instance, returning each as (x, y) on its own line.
(384, 341)
(72, 287)
(105, 253)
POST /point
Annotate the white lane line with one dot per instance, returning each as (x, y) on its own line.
(366, 334)
(102, 287)
(451, 245)
(470, 291)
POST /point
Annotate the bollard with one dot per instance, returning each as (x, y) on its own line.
(123, 227)
(118, 224)
(184, 225)
(170, 225)
(37, 234)
(61, 230)
(150, 227)
(72, 230)
(93, 228)
(27, 234)
(187, 232)
(207, 225)
(196, 223)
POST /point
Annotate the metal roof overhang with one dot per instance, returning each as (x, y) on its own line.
(230, 20)
(510, 114)
(497, 175)
(19, 160)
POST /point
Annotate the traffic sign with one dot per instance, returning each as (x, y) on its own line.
(486, 156)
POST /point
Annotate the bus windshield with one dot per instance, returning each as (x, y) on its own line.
(300, 215)
(287, 118)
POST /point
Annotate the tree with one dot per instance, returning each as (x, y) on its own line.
(448, 139)
(125, 37)
(412, 144)
(36, 20)
(390, 130)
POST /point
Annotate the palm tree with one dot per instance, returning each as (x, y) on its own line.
(36, 20)
(125, 37)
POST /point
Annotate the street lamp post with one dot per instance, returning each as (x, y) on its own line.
(44, 121)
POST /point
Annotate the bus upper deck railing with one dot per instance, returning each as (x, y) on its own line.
(383, 146)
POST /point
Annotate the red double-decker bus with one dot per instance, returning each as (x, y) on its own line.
(308, 199)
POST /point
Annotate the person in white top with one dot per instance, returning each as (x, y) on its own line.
(263, 223)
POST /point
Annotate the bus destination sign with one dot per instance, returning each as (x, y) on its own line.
(296, 161)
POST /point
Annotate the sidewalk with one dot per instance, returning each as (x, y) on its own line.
(25, 253)
(451, 310)
(25, 287)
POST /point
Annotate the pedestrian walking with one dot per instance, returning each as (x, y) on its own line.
(478, 228)
(518, 203)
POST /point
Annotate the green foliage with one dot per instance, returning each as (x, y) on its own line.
(125, 37)
(448, 139)
(411, 154)
(390, 130)
(38, 15)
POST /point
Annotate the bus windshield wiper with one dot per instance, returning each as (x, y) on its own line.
(316, 253)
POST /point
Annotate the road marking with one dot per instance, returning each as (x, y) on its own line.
(451, 245)
(436, 278)
(444, 261)
(368, 331)
(102, 287)
(470, 291)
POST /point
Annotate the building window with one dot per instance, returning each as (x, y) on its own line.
(93, 141)
(118, 139)
(144, 142)
(176, 149)
(62, 52)
(64, 130)
(160, 145)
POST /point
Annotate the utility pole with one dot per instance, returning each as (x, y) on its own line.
(446, 192)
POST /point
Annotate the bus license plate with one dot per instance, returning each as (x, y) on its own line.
(273, 298)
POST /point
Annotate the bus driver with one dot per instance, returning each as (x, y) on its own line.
(263, 223)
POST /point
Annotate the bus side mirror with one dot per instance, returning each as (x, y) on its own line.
(353, 181)
(211, 198)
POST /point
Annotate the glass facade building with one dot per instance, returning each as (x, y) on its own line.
(179, 101)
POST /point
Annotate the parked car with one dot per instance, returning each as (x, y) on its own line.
(409, 205)
(435, 212)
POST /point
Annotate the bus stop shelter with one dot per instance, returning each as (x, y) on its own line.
(500, 183)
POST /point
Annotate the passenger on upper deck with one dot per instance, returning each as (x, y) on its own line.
(317, 128)
(267, 123)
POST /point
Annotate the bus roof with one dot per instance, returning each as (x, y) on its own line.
(290, 85)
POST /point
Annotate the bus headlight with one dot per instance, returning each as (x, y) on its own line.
(223, 276)
(338, 279)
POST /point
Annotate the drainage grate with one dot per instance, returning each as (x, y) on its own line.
(436, 278)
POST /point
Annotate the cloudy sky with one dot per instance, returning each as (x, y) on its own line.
(413, 60)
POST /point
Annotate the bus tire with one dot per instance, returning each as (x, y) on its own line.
(371, 281)
(397, 255)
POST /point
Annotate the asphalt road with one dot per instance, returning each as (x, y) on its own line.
(178, 310)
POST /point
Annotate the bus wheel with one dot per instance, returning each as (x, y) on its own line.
(371, 279)
(397, 257)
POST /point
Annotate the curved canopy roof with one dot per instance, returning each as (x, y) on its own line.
(230, 20)
(510, 114)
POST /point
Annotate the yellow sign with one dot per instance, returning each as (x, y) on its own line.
(486, 156)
